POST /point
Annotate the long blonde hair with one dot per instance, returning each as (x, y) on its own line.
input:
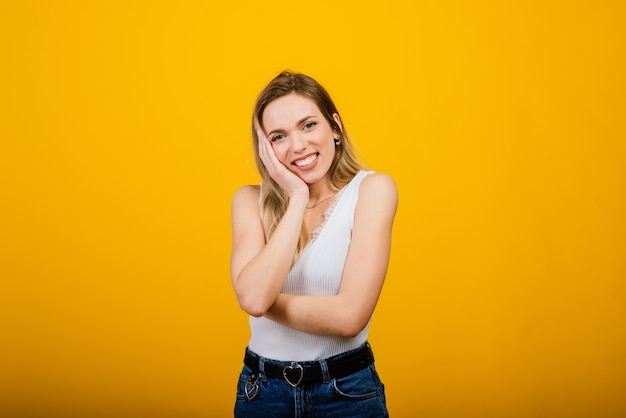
(345, 166)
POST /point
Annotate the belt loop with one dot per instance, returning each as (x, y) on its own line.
(325, 373)
(262, 369)
(369, 348)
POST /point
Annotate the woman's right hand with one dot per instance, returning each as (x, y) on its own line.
(287, 180)
(259, 266)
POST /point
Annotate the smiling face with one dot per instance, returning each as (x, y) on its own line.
(302, 138)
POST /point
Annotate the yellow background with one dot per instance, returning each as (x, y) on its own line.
(124, 132)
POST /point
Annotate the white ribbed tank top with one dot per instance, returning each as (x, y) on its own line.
(318, 271)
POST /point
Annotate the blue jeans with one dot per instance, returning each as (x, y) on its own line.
(358, 395)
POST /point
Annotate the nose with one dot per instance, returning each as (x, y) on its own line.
(298, 143)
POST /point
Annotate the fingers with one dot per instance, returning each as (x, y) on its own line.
(287, 180)
(266, 152)
(268, 156)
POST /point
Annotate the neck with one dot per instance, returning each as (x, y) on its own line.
(320, 190)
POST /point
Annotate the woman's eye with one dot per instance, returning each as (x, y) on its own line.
(277, 137)
(309, 125)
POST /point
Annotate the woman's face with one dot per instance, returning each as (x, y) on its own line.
(300, 135)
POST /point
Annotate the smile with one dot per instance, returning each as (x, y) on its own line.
(306, 161)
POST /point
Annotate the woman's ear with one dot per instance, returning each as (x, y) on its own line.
(338, 120)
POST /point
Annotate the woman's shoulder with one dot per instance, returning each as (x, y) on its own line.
(378, 182)
(247, 194)
(378, 188)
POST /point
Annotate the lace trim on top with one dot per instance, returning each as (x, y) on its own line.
(327, 214)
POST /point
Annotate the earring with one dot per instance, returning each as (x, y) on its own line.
(337, 142)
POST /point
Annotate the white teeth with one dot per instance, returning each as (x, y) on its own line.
(306, 161)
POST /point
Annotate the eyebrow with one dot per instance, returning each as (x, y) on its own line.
(297, 123)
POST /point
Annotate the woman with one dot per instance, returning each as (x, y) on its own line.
(310, 253)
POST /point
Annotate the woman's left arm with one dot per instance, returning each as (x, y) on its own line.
(347, 313)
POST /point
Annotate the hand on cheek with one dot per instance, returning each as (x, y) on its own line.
(287, 180)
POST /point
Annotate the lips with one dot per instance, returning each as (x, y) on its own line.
(304, 162)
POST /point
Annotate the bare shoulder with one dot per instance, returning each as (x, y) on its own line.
(246, 195)
(379, 187)
(379, 181)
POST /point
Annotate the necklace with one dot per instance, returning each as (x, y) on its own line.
(320, 202)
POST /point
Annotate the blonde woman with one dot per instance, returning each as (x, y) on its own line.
(311, 246)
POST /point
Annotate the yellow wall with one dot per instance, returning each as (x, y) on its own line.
(124, 133)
